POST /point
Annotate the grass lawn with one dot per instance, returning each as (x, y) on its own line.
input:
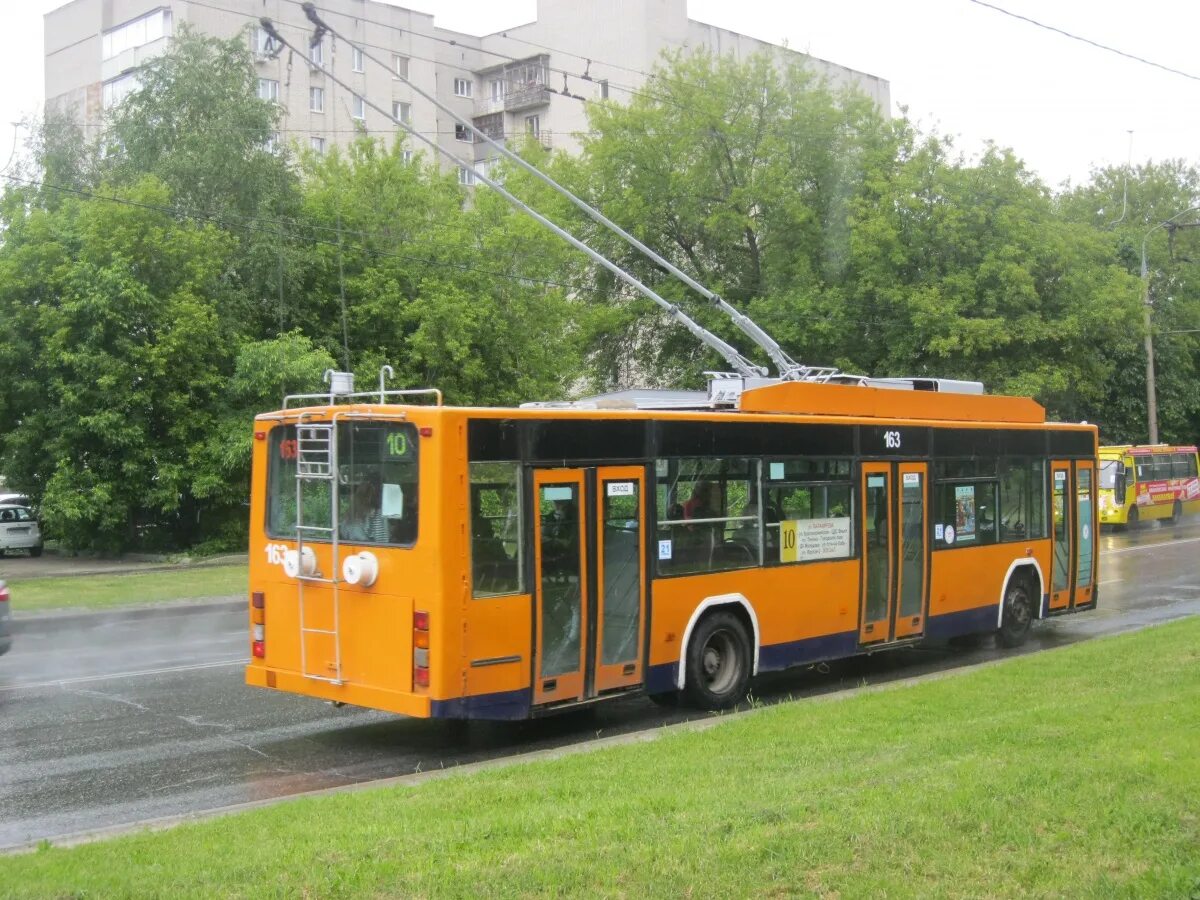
(109, 591)
(1068, 773)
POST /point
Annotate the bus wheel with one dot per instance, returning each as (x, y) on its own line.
(1017, 619)
(718, 662)
(1176, 513)
(1131, 521)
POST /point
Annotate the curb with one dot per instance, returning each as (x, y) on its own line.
(71, 620)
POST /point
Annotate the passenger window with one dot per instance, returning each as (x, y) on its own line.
(966, 513)
(1037, 499)
(807, 513)
(1014, 500)
(708, 515)
(496, 552)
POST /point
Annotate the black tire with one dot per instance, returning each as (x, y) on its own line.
(718, 662)
(1017, 619)
(35, 552)
(1131, 521)
(1176, 513)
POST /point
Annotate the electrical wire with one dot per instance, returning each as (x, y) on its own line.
(1083, 40)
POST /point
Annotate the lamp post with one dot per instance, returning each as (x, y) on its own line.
(1151, 396)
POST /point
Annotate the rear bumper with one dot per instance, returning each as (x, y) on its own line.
(405, 704)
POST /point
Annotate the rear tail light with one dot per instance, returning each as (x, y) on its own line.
(258, 646)
(421, 649)
(3, 594)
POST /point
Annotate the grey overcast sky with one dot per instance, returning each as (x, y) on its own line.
(956, 66)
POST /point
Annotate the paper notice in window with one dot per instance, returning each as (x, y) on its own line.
(393, 502)
(802, 540)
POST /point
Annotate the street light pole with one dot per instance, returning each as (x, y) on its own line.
(1151, 394)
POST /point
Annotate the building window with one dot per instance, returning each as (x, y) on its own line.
(356, 57)
(533, 125)
(408, 156)
(271, 144)
(463, 133)
(262, 43)
(317, 144)
(268, 89)
(466, 176)
(402, 112)
(463, 87)
(497, 88)
(316, 99)
(316, 54)
(119, 88)
(604, 89)
(400, 66)
(359, 108)
(142, 30)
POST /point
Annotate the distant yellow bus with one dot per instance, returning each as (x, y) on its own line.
(1143, 483)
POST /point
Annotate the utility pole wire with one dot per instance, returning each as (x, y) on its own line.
(1084, 40)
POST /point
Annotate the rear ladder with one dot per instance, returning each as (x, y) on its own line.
(316, 461)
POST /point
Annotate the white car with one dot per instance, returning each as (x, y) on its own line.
(19, 530)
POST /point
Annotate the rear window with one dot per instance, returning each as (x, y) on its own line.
(376, 476)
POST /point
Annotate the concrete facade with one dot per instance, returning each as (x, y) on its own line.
(534, 78)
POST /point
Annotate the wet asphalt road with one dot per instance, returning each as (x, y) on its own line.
(107, 722)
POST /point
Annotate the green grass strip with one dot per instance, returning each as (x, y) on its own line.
(1068, 773)
(112, 591)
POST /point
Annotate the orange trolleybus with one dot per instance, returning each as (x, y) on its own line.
(504, 563)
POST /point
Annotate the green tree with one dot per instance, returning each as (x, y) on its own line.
(465, 296)
(114, 326)
(1125, 205)
(741, 174)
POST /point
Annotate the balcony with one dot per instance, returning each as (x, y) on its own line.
(514, 86)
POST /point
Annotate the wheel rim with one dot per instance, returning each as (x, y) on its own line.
(1019, 612)
(720, 662)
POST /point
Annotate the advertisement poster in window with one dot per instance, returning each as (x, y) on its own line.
(964, 511)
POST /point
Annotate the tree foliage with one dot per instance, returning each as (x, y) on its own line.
(162, 285)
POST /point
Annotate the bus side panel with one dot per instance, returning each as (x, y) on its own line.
(498, 645)
(805, 613)
(966, 583)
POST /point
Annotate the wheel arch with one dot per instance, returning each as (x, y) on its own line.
(736, 602)
(1029, 568)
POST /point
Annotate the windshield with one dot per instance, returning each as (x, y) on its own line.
(1108, 474)
(377, 486)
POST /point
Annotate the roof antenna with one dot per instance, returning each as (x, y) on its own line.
(788, 368)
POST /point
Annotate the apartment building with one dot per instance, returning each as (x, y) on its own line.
(532, 79)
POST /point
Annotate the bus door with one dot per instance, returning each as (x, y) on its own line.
(1085, 532)
(895, 574)
(590, 581)
(1062, 563)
